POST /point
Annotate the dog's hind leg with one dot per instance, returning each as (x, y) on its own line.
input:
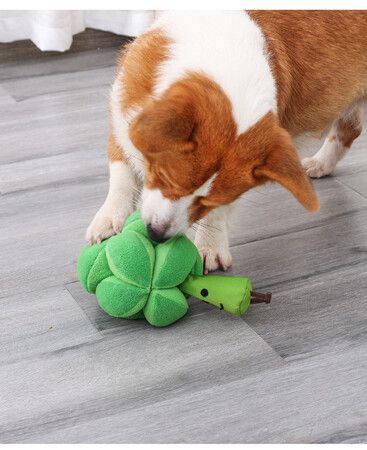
(339, 140)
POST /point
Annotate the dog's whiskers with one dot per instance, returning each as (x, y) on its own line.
(208, 226)
(206, 231)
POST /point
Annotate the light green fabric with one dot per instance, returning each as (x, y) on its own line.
(134, 277)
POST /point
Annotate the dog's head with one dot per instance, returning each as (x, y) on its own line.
(195, 160)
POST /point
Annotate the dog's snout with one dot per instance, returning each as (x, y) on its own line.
(156, 233)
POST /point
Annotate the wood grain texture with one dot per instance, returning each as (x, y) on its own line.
(24, 88)
(302, 254)
(35, 324)
(38, 251)
(128, 371)
(5, 98)
(357, 182)
(89, 39)
(293, 371)
(352, 173)
(58, 64)
(64, 129)
(55, 170)
(317, 315)
(304, 402)
(272, 211)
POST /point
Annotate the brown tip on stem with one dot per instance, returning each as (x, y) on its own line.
(258, 297)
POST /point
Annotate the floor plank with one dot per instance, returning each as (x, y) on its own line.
(130, 370)
(59, 63)
(54, 135)
(38, 323)
(54, 170)
(315, 315)
(51, 106)
(320, 399)
(42, 232)
(302, 254)
(357, 182)
(271, 211)
(25, 88)
(5, 98)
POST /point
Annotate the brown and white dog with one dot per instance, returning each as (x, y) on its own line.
(205, 106)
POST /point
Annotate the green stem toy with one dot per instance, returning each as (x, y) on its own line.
(231, 293)
(134, 277)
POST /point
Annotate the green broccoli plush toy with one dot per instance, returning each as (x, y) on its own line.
(134, 277)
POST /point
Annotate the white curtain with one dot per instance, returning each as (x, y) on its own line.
(54, 30)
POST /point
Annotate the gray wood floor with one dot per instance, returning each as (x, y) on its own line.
(293, 371)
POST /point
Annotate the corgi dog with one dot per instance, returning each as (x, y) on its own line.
(206, 105)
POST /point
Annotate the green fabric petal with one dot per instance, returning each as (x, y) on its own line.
(91, 267)
(198, 268)
(165, 306)
(99, 271)
(135, 223)
(175, 259)
(131, 258)
(119, 299)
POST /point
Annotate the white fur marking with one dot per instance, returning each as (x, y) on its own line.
(173, 215)
(117, 206)
(121, 122)
(228, 47)
(211, 239)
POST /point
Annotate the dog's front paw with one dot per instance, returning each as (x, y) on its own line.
(215, 255)
(315, 168)
(108, 221)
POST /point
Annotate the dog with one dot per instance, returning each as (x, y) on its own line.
(206, 105)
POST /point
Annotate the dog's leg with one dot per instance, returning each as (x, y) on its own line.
(120, 199)
(212, 240)
(341, 136)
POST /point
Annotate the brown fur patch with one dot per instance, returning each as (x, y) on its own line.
(189, 134)
(184, 135)
(349, 128)
(139, 62)
(264, 153)
(319, 60)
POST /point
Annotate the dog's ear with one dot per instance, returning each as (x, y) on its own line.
(283, 165)
(164, 125)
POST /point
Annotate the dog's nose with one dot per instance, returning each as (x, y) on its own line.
(156, 233)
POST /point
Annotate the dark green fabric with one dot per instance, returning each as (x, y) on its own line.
(175, 259)
(134, 277)
(165, 306)
(120, 299)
